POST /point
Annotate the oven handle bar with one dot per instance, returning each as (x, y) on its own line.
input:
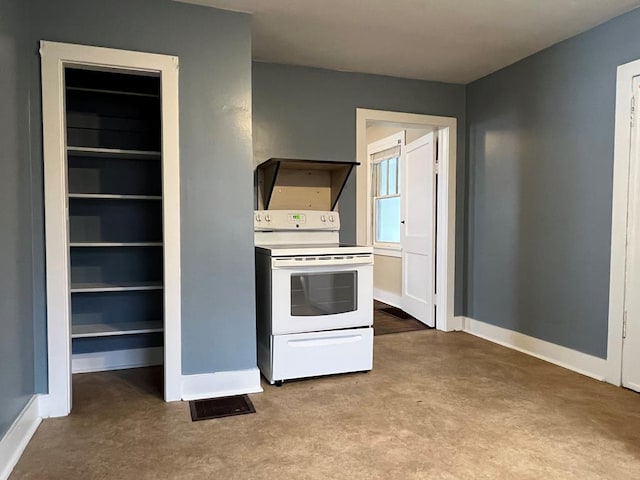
(306, 262)
(316, 342)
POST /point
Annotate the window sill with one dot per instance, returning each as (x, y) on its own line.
(388, 251)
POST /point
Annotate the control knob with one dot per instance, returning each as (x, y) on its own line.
(258, 218)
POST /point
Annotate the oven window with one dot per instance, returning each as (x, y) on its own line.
(314, 294)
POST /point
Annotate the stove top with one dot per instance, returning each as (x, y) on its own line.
(293, 250)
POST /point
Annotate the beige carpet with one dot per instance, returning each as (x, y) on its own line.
(436, 406)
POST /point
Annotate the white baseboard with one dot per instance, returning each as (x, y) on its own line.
(116, 359)
(221, 384)
(579, 362)
(17, 437)
(389, 298)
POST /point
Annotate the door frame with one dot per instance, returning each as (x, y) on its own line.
(446, 216)
(621, 210)
(54, 57)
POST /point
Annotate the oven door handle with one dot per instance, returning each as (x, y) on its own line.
(316, 342)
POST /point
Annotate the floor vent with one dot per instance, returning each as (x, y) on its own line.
(220, 407)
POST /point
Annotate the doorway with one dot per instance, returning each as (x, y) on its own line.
(112, 210)
(623, 348)
(428, 296)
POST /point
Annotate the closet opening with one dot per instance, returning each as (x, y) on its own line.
(112, 221)
(114, 183)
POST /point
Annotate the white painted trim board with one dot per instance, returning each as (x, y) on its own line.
(568, 358)
(18, 436)
(389, 298)
(116, 359)
(221, 384)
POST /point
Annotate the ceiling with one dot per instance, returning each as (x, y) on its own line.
(454, 41)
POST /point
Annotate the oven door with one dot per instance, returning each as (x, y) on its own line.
(314, 298)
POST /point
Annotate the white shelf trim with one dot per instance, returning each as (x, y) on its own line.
(116, 359)
(115, 244)
(115, 92)
(116, 152)
(112, 329)
(114, 287)
(113, 196)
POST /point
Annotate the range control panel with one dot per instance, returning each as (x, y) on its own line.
(295, 220)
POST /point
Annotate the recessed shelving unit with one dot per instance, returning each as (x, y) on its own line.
(114, 182)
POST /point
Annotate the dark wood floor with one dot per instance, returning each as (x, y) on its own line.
(384, 323)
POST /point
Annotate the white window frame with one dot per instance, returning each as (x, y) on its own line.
(382, 248)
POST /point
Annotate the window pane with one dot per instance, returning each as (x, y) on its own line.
(388, 220)
(393, 176)
(384, 165)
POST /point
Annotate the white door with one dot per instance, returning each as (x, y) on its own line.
(631, 334)
(418, 232)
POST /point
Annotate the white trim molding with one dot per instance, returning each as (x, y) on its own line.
(446, 128)
(619, 215)
(116, 359)
(568, 358)
(18, 436)
(54, 58)
(221, 384)
(390, 298)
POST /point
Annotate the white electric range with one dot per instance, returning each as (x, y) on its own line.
(314, 297)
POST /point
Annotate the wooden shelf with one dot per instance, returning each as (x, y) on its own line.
(97, 287)
(285, 183)
(112, 329)
(114, 92)
(112, 196)
(114, 153)
(115, 244)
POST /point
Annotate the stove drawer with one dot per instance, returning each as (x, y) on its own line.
(312, 354)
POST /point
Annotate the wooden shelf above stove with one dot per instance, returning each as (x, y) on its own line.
(293, 184)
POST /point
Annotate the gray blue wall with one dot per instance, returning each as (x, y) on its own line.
(16, 309)
(218, 318)
(310, 113)
(540, 150)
